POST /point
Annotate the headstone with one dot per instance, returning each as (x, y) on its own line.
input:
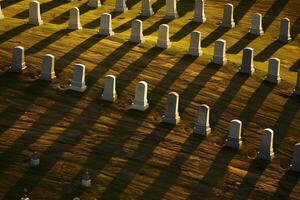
(25, 197)
(195, 44)
(284, 34)
(35, 160)
(35, 13)
(266, 148)
(94, 3)
(273, 75)
(256, 25)
(228, 20)
(220, 52)
(78, 81)
(1, 14)
(199, 15)
(105, 25)
(76, 198)
(234, 139)
(203, 127)
(163, 40)
(297, 88)
(137, 31)
(48, 67)
(140, 100)
(18, 60)
(86, 180)
(295, 166)
(147, 8)
(109, 92)
(171, 9)
(171, 115)
(74, 23)
(247, 61)
(121, 6)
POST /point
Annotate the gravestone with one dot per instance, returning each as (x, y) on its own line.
(105, 25)
(202, 126)
(140, 100)
(171, 9)
(247, 61)
(35, 13)
(86, 180)
(256, 25)
(94, 3)
(295, 166)
(163, 40)
(220, 52)
(109, 92)
(78, 80)
(137, 31)
(1, 14)
(284, 33)
(48, 67)
(266, 148)
(74, 23)
(121, 6)
(199, 14)
(18, 60)
(273, 75)
(195, 44)
(147, 8)
(228, 20)
(297, 88)
(234, 139)
(171, 115)
(35, 160)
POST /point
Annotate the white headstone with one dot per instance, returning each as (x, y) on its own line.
(297, 88)
(171, 115)
(74, 23)
(199, 14)
(195, 44)
(94, 3)
(35, 13)
(147, 8)
(266, 148)
(105, 25)
(228, 20)
(234, 139)
(109, 92)
(86, 180)
(140, 100)
(273, 75)
(1, 14)
(256, 25)
(163, 40)
(171, 9)
(78, 81)
(137, 31)
(247, 61)
(48, 67)
(220, 52)
(18, 60)
(203, 127)
(284, 34)
(121, 6)
(35, 160)
(295, 166)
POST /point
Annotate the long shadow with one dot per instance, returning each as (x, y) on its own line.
(273, 12)
(170, 173)
(268, 51)
(131, 3)
(242, 43)
(154, 27)
(227, 96)
(254, 172)
(295, 29)
(216, 171)
(213, 36)
(255, 102)
(184, 7)
(158, 5)
(5, 4)
(47, 41)
(286, 185)
(44, 8)
(127, 25)
(185, 30)
(241, 9)
(14, 32)
(296, 66)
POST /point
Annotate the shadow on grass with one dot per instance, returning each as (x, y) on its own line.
(241, 9)
(269, 51)
(5, 4)
(295, 29)
(296, 66)
(213, 36)
(185, 30)
(154, 27)
(14, 32)
(242, 43)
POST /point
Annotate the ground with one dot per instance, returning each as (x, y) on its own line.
(131, 154)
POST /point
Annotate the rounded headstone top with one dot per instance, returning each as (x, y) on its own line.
(164, 26)
(248, 49)
(204, 107)
(228, 5)
(110, 77)
(79, 66)
(106, 14)
(268, 131)
(220, 41)
(144, 83)
(49, 55)
(175, 94)
(76, 198)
